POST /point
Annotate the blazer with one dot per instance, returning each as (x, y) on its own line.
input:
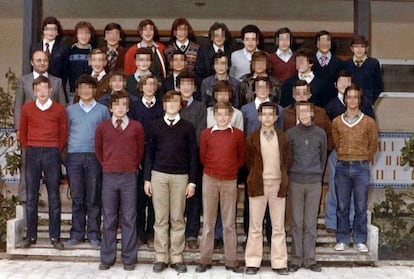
(24, 94)
(254, 163)
(120, 59)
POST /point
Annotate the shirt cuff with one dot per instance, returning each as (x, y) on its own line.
(192, 184)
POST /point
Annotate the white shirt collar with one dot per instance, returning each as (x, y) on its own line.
(257, 102)
(51, 44)
(144, 101)
(285, 56)
(308, 77)
(138, 76)
(180, 44)
(100, 75)
(124, 124)
(36, 74)
(216, 48)
(87, 107)
(248, 54)
(341, 97)
(45, 106)
(176, 119)
(216, 128)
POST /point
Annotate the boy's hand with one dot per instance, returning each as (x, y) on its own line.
(189, 191)
(148, 188)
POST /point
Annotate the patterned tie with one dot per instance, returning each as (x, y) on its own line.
(184, 104)
(47, 48)
(112, 55)
(149, 104)
(268, 135)
(171, 122)
(182, 48)
(118, 125)
(323, 60)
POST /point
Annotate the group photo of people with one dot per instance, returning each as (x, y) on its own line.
(157, 140)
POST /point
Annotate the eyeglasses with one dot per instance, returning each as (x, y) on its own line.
(41, 60)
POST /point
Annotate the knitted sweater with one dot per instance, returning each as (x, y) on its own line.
(196, 113)
(119, 152)
(282, 70)
(190, 52)
(82, 126)
(357, 142)
(78, 64)
(309, 153)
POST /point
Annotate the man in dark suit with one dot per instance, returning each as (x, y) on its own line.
(24, 94)
(53, 44)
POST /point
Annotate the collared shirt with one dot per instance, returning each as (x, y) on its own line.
(175, 81)
(112, 50)
(189, 101)
(87, 107)
(45, 106)
(51, 44)
(216, 128)
(257, 102)
(285, 56)
(341, 98)
(145, 101)
(217, 48)
(248, 54)
(185, 44)
(351, 120)
(362, 61)
(137, 76)
(308, 77)
(328, 57)
(124, 124)
(100, 75)
(36, 74)
(176, 119)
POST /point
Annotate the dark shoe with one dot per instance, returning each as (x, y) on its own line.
(104, 266)
(331, 231)
(159, 267)
(192, 244)
(179, 267)
(293, 268)
(235, 269)
(315, 268)
(95, 243)
(28, 242)
(202, 268)
(129, 267)
(252, 270)
(57, 244)
(281, 271)
(218, 244)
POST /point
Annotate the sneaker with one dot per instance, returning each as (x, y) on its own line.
(361, 247)
(72, 242)
(95, 243)
(340, 246)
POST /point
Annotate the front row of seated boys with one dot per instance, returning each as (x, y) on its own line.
(108, 151)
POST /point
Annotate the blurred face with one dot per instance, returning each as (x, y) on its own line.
(302, 65)
(181, 33)
(221, 65)
(50, 32)
(305, 114)
(40, 62)
(97, 62)
(284, 41)
(259, 66)
(219, 37)
(85, 92)
(120, 107)
(178, 62)
(117, 83)
(83, 36)
(143, 62)
(250, 42)
(359, 51)
(222, 97)
(147, 34)
(301, 93)
(343, 83)
(149, 88)
(42, 92)
(352, 99)
(324, 44)
(262, 90)
(222, 117)
(172, 106)
(112, 38)
(268, 117)
(187, 87)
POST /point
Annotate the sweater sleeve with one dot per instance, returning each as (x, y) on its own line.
(240, 150)
(140, 142)
(99, 143)
(63, 129)
(203, 145)
(23, 128)
(373, 139)
(193, 155)
(149, 155)
(324, 150)
(335, 133)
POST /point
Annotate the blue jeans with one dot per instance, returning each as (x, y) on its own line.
(352, 178)
(85, 180)
(330, 200)
(46, 160)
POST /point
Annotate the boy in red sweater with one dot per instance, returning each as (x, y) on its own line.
(222, 154)
(43, 133)
(119, 147)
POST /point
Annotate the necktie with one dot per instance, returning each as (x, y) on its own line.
(171, 122)
(323, 60)
(182, 48)
(304, 76)
(47, 48)
(184, 104)
(268, 135)
(118, 125)
(95, 75)
(359, 63)
(149, 104)
(111, 59)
